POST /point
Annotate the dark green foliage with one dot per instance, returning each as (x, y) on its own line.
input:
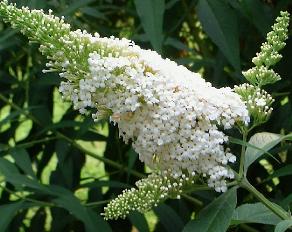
(217, 215)
(44, 155)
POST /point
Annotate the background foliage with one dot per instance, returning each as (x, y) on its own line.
(60, 169)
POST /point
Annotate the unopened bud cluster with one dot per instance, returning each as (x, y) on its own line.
(268, 56)
(257, 100)
(148, 194)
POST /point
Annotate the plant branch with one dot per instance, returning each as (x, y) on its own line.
(96, 203)
(25, 198)
(242, 155)
(270, 205)
(192, 199)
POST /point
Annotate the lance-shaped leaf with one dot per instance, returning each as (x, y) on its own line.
(254, 213)
(216, 216)
(151, 15)
(220, 23)
(283, 226)
(264, 141)
(7, 213)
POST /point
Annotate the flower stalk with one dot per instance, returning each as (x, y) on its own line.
(242, 155)
(270, 205)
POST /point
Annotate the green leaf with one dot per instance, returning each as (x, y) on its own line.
(254, 11)
(7, 213)
(48, 80)
(167, 214)
(93, 12)
(38, 221)
(216, 216)
(23, 130)
(100, 223)
(151, 15)
(254, 213)
(7, 34)
(10, 117)
(139, 221)
(108, 183)
(35, 4)
(264, 141)
(176, 44)
(242, 143)
(21, 181)
(285, 203)
(219, 21)
(7, 168)
(12, 175)
(91, 220)
(283, 226)
(132, 158)
(8, 38)
(64, 198)
(75, 6)
(22, 160)
(284, 171)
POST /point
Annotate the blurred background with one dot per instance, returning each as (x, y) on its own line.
(59, 169)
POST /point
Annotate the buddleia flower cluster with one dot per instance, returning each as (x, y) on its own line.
(258, 100)
(171, 115)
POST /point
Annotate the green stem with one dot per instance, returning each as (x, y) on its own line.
(196, 188)
(192, 199)
(242, 155)
(96, 203)
(29, 144)
(103, 159)
(25, 198)
(270, 205)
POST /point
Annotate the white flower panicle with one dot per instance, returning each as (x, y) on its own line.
(171, 115)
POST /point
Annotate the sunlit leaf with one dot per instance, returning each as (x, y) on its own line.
(216, 216)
